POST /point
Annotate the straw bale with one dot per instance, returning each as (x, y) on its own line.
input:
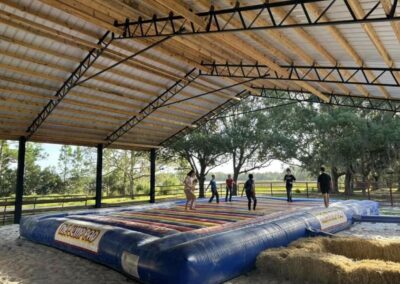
(334, 260)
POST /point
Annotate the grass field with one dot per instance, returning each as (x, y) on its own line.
(36, 204)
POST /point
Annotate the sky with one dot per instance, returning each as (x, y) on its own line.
(53, 151)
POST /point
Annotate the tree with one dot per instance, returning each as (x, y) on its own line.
(65, 160)
(34, 153)
(8, 157)
(252, 137)
(203, 149)
(50, 182)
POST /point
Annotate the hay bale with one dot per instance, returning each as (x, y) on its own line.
(364, 249)
(337, 260)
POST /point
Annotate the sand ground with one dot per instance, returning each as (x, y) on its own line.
(22, 261)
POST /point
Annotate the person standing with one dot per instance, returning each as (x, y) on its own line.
(289, 179)
(250, 188)
(214, 189)
(188, 189)
(325, 185)
(229, 188)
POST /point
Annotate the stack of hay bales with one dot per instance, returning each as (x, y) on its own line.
(334, 260)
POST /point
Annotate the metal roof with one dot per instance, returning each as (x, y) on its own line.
(43, 42)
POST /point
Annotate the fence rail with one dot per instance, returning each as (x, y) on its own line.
(307, 189)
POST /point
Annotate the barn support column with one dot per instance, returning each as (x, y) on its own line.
(99, 175)
(153, 156)
(19, 191)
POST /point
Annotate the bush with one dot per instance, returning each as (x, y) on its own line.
(142, 189)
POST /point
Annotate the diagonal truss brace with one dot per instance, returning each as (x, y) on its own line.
(390, 105)
(321, 74)
(71, 82)
(158, 102)
(221, 20)
(208, 116)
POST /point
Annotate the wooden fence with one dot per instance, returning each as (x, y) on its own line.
(307, 189)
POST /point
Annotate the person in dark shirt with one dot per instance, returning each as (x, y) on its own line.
(214, 189)
(229, 187)
(250, 188)
(325, 185)
(289, 179)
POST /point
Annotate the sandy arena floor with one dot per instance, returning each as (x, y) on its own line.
(22, 261)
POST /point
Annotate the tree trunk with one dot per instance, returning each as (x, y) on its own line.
(398, 182)
(335, 180)
(201, 176)
(201, 179)
(124, 183)
(364, 184)
(348, 186)
(235, 178)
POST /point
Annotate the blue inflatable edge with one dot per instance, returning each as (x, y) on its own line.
(198, 256)
(376, 219)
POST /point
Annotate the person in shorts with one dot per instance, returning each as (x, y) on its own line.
(325, 185)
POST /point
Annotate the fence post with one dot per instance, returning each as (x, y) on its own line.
(307, 189)
(271, 189)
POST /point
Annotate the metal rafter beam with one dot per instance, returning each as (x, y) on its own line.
(391, 105)
(208, 116)
(320, 74)
(211, 92)
(158, 102)
(71, 82)
(215, 23)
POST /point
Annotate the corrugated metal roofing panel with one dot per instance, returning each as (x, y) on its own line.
(114, 97)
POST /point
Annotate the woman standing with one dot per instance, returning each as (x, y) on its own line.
(189, 188)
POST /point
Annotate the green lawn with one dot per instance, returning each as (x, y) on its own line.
(176, 192)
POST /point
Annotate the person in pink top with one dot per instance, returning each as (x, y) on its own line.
(229, 188)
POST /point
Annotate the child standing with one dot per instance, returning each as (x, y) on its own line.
(289, 179)
(250, 188)
(214, 190)
(229, 187)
